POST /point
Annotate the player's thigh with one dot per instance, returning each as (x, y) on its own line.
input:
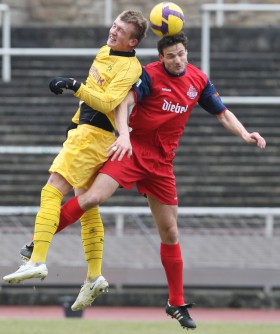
(83, 154)
(101, 189)
(165, 217)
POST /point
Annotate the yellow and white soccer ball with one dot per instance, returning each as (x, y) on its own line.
(167, 19)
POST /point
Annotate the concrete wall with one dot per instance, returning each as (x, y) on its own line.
(57, 13)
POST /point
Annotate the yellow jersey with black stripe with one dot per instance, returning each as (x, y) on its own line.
(110, 78)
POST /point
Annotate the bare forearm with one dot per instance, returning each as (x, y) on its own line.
(122, 145)
(233, 125)
(121, 117)
(121, 114)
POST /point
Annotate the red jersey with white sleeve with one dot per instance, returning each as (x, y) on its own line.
(163, 106)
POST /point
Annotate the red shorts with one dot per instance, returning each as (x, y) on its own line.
(148, 170)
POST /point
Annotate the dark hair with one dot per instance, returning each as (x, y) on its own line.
(167, 41)
(140, 23)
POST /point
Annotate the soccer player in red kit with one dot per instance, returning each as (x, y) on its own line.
(164, 97)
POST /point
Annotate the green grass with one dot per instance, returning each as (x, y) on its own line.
(80, 326)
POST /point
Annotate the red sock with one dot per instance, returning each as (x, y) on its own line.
(70, 212)
(172, 261)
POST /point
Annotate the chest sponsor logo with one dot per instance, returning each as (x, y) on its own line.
(192, 92)
(172, 107)
(94, 73)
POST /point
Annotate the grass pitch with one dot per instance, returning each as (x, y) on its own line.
(68, 326)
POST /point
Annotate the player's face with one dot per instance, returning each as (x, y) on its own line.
(120, 36)
(175, 58)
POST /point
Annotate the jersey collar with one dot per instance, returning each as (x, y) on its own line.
(122, 53)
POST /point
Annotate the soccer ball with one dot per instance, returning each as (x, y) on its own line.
(167, 19)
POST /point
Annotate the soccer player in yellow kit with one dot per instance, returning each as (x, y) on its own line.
(111, 76)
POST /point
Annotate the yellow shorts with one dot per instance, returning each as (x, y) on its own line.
(83, 154)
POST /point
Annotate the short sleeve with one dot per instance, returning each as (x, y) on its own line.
(143, 86)
(210, 100)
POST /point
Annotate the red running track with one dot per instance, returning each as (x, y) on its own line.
(143, 313)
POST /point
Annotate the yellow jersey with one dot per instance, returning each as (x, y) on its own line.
(109, 80)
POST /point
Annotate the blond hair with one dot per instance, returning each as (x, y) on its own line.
(137, 19)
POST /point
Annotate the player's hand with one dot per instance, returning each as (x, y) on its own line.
(57, 84)
(256, 138)
(120, 147)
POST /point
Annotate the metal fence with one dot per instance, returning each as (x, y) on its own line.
(221, 8)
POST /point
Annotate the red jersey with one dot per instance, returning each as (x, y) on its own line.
(164, 104)
(165, 101)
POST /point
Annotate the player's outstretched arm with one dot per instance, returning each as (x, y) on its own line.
(233, 125)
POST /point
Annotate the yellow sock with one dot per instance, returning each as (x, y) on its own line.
(46, 222)
(93, 239)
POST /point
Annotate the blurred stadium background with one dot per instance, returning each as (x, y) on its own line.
(229, 192)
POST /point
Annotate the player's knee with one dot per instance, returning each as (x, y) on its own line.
(169, 235)
(91, 200)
